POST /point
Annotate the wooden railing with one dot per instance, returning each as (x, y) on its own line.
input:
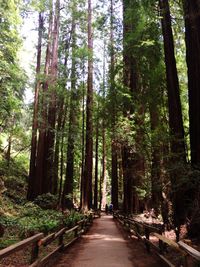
(39, 240)
(187, 255)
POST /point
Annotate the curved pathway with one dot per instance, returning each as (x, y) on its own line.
(105, 246)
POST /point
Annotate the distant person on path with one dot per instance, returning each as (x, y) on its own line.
(111, 208)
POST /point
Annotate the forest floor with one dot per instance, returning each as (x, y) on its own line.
(106, 245)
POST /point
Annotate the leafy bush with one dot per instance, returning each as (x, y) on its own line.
(46, 201)
(16, 189)
(8, 221)
(34, 219)
(72, 219)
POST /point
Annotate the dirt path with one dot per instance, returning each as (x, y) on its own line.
(105, 246)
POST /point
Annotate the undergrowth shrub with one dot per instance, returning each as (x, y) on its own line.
(46, 201)
(34, 219)
(72, 219)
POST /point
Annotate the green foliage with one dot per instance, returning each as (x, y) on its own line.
(16, 184)
(34, 219)
(7, 221)
(73, 218)
(12, 77)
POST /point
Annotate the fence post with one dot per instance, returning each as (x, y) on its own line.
(185, 261)
(137, 229)
(124, 220)
(147, 237)
(61, 241)
(34, 252)
(161, 244)
(76, 232)
(83, 226)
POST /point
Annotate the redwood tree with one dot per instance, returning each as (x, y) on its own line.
(73, 113)
(32, 186)
(177, 144)
(87, 176)
(114, 164)
(192, 38)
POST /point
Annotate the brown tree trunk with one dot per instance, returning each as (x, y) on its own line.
(103, 182)
(87, 184)
(114, 181)
(96, 165)
(50, 138)
(63, 122)
(132, 160)
(82, 144)
(8, 152)
(114, 164)
(192, 38)
(62, 154)
(40, 160)
(57, 146)
(69, 179)
(32, 179)
(175, 118)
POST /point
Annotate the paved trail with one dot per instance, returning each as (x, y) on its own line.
(105, 246)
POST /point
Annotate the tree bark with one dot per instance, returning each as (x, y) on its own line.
(192, 38)
(177, 144)
(103, 182)
(96, 165)
(50, 138)
(114, 164)
(69, 179)
(57, 145)
(132, 161)
(40, 160)
(8, 152)
(32, 179)
(87, 184)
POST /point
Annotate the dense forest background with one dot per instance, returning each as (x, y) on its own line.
(115, 112)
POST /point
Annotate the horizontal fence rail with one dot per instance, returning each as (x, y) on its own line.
(143, 231)
(39, 240)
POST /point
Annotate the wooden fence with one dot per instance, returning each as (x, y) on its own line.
(188, 256)
(39, 240)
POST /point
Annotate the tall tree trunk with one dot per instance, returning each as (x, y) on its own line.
(62, 153)
(8, 152)
(96, 165)
(132, 162)
(69, 179)
(103, 182)
(87, 184)
(114, 181)
(40, 160)
(57, 146)
(114, 174)
(32, 179)
(175, 117)
(50, 138)
(82, 143)
(65, 111)
(192, 38)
